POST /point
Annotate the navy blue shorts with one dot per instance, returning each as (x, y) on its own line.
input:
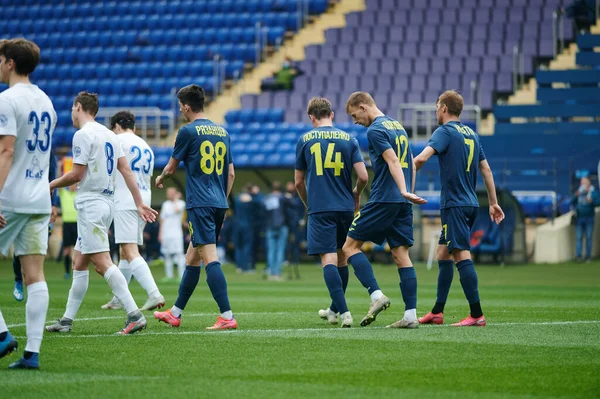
(327, 231)
(378, 221)
(205, 224)
(456, 227)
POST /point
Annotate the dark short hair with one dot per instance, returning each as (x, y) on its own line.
(88, 101)
(319, 107)
(453, 100)
(125, 119)
(24, 53)
(276, 185)
(357, 98)
(192, 95)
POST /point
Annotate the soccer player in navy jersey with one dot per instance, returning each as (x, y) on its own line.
(325, 157)
(457, 146)
(205, 151)
(388, 213)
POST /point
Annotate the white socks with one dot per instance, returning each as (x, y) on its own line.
(125, 268)
(227, 315)
(375, 295)
(79, 287)
(410, 315)
(169, 266)
(175, 311)
(118, 285)
(3, 326)
(141, 271)
(35, 314)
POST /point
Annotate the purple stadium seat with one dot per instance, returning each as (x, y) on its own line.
(546, 31)
(376, 50)
(546, 48)
(248, 101)
(417, 83)
(359, 50)
(368, 18)
(421, 5)
(396, 34)
(422, 65)
(433, 17)
(355, 68)
(396, 99)
(384, 19)
(446, 33)
(533, 14)
(461, 48)
(435, 83)
(465, 16)
(452, 81)
(413, 34)
(495, 48)
(478, 48)
(516, 14)
(264, 100)
(471, 4)
(313, 52)
(500, 15)
(473, 64)
(482, 16)
(281, 99)
(416, 17)
(431, 97)
(388, 66)
(348, 35)
(400, 18)
(496, 31)
(438, 65)
(333, 35)
(364, 35)
(344, 51)
(487, 81)
(426, 49)
(367, 83)
(371, 67)
(353, 19)
(401, 83)
(393, 50)
(504, 82)
(490, 64)
(380, 34)
(449, 16)
(338, 68)
(430, 34)
(328, 52)
(453, 4)
(443, 49)
(487, 3)
(414, 97)
(530, 32)
(506, 64)
(384, 83)
(409, 50)
(405, 66)
(480, 32)
(372, 4)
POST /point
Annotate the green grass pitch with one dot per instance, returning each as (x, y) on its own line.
(542, 341)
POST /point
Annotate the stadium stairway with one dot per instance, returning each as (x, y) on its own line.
(313, 33)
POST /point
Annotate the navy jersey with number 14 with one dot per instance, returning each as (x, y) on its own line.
(204, 149)
(327, 155)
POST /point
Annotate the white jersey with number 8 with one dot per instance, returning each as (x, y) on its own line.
(97, 147)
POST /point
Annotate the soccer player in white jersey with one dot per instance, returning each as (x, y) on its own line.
(27, 121)
(129, 226)
(97, 155)
(171, 232)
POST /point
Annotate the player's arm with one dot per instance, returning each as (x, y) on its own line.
(74, 176)
(231, 179)
(147, 214)
(167, 172)
(300, 183)
(423, 157)
(393, 163)
(362, 178)
(7, 152)
(414, 174)
(496, 213)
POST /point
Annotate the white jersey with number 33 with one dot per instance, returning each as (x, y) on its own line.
(27, 113)
(141, 161)
(97, 147)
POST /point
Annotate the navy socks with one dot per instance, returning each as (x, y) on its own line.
(364, 272)
(408, 287)
(445, 276)
(468, 280)
(344, 274)
(187, 285)
(333, 281)
(218, 285)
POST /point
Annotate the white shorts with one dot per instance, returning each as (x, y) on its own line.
(129, 228)
(29, 233)
(93, 221)
(172, 246)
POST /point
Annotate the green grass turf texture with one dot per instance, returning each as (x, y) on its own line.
(542, 340)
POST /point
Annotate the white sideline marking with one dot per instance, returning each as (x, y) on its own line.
(294, 330)
(186, 316)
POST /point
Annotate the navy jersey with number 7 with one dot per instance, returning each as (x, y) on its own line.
(459, 153)
(205, 151)
(327, 155)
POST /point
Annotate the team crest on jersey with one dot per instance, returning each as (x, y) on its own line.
(76, 151)
(35, 171)
(3, 120)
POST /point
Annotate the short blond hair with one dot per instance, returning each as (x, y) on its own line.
(357, 98)
(319, 107)
(453, 100)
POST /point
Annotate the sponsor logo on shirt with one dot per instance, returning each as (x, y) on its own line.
(3, 120)
(35, 171)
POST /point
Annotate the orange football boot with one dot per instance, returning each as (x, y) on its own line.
(223, 324)
(471, 322)
(432, 318)
(168, 318)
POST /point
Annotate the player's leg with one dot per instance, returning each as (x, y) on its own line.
(168, 265)
(579, 232)
(369, 224)
(141, 271)
(343, 223)
(588, 238)
(270, 239)
(125, 268)
(280, 247)
(18, 290)
(31, 246)
(118, 284)
(458, 233)
(8, 343)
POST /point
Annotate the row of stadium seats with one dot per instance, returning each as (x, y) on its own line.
(428, 5)
(247, 116)
(176, 53)
(160, 85)
(287, 20)
(136, 8)
(156, 37)
(133, 71)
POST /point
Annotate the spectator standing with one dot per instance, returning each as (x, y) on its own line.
(275, 205)
(584, 201)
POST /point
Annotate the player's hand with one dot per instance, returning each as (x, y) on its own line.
(160, 182)
(147, 214)
(53, 214)
(414, 198)
(496, 214)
